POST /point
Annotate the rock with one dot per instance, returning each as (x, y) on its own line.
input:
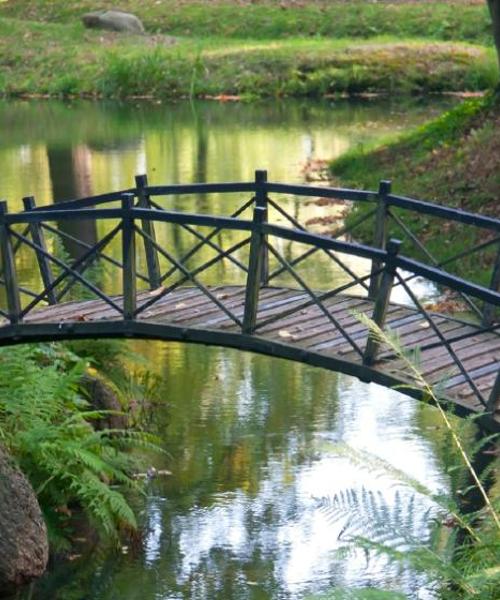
(24, 547)
(101, 396)
(113, 20)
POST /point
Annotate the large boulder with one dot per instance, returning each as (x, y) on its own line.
(24, 548)
(113, 20)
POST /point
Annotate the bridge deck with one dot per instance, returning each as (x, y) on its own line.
(309, 336)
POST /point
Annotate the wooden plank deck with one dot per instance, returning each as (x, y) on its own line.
(311, 332)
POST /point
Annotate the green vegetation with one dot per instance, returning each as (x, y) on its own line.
(451, 160)
(420, 161)
(251, 51)
(47, 425)
(270, 19)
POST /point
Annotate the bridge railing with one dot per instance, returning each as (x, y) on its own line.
(139, 252)
(378, 215)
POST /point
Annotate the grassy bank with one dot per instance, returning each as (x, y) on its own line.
(458, 20)
(259, 48)
(57, 59)
(453, 160)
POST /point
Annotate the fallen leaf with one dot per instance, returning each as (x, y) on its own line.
(157, 291)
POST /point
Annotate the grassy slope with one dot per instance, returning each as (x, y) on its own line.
(454, 160)
(265, 48)
(64, 59)
(272, 19)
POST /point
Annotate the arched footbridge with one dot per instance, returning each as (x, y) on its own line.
(270, 268)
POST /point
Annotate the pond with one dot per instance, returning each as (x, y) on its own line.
(274, 464)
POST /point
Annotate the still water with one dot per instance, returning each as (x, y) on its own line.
(274, 464)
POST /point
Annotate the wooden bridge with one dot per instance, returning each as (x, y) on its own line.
(267, 283)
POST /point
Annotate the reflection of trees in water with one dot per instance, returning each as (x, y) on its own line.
(200, 169)
(116, 145)
(70, 176)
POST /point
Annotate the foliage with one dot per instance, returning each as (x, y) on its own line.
(47, 426)
(299, 68)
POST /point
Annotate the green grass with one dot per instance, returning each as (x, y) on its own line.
(453, 160)
(418, 162)
(64, 60)
(270, 19)
(258, 49)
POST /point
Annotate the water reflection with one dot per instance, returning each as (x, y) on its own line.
(52, 150)
(259, 448)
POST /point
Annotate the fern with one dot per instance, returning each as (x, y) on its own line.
(46, 424)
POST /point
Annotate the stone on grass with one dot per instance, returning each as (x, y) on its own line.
(113, 20)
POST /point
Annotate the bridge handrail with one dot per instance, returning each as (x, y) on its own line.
(413, 266)
(446, 212)
(405, 202)
(212, 188)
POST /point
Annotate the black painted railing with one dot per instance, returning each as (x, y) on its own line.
(129, 244)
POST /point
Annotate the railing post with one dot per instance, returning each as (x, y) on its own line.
(382, 301)
(44, 265)
(153, 265)
(379, 235)
(9, 268)
(261, 201)
(490, 309)
(255, 265)
(494, 398)
(129, 258)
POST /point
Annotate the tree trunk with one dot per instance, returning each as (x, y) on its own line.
(102, 397)
(24, 547)
(494, 6)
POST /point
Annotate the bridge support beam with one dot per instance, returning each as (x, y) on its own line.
(261, 202)
(255, 265)
(152, 262)
(379, 235)
(489, 309)
(44, 266)
(382, 302)
(494, 399)
(129, 259)
(9, 268)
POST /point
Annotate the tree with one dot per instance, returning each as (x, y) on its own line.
(494, 6)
